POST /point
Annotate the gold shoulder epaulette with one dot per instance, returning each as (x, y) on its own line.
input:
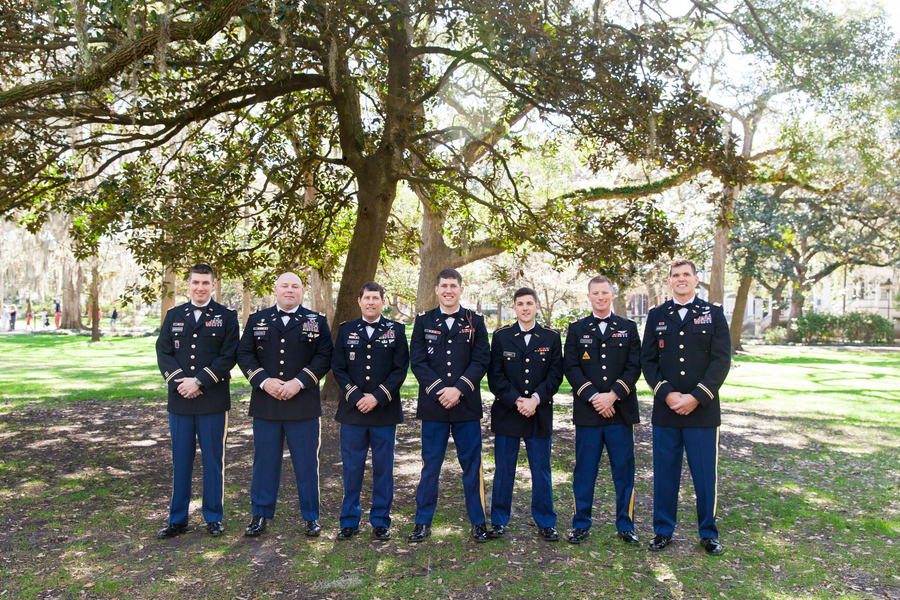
(421, 313)
(342, 322)
(479, 313)
(717, 304)
(321, 314)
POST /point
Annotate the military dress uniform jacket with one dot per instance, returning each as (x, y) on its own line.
(205, 349)
(691, 357)
(376, 366)
(518, 371)
(300, 349)
(458, 357)
(602, 362)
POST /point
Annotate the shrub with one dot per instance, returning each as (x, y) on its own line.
(775, 335)
(863, 327)
(816, 328)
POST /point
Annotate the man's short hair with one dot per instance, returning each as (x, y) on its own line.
(679, 262)
(201, 269)
(449, 274)
(600, 279)
(371, 287)
(525, 291)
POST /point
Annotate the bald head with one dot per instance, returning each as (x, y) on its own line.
(288, 291)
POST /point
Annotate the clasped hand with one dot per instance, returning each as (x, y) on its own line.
(449, 397)
(281, 390)
(188, 388)
(605, 403)
(527, 406)
(683, 404)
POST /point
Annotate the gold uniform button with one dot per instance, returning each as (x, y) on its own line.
(282, 341)
(526, 391)
(368, 356)
(449, 375)
(281, 361)
(526, 381)
(195, 335)
(448, 364)
(193, 346)
(214, 335)
(704, 331)
(282, 351)
(448, 352)
(604, 379)
(369, 346)
(681, 346)
(193, 367)
(449, 341)
(192, 357)
(368, 366)
(682, 372)
(681, 359)
(367, 377)
(527, 360)
(603, 345)
(680, 333)
(604, 366)
(602, 356)
(526, 370)
(280, 373)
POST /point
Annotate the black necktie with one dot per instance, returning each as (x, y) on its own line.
(284, 313)
(451, 316)
(598, 320)
(195, 307)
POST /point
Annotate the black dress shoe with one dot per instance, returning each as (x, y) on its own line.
(496, 531)
(256, 526)
(660, 542)
(628, 537)
(382, 533)
(419, 533)
(171, 530)
(214, 529)
(313, 528)
(347, 532)
(549, 534)
(578, 535)
(712, 546)
(480, 533)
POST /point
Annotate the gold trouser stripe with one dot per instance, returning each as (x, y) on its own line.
(174, 373)
(716, 486)
(581, 389)
(386, 392)
(706, 389)
(319, 447)
(631, 502)
(224, 439)
(481, 487)
(314, 378)
(622, 383)
(211, 374)
(469, 382)
(431, 387)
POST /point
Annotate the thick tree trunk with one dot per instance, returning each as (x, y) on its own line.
(167, 293)
(245, 307)
(321, 294)
(797, 300)
(435, 255)
(619, 306)
(737, 317)
(71, 302)
(720, 245)
(95, 301)
(218, 288)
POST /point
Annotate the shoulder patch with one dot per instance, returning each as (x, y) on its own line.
(421, 313)
(717, 304)
(479, 313)
(573, 321)
(321, 314)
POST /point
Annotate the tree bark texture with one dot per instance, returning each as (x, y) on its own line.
(95, 301)
(321, 294)
(737, 317)
(167, 293)
(71, 302)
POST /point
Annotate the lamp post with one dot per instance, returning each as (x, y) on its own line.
(889, 286)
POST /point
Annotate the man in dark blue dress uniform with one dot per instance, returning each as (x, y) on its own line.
(370, 362)
(525, 373)
(686, 355)
(602, 365)
(450, 353)
(284, 352)
(196, 350)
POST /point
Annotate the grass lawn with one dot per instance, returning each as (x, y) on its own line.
(809, 495)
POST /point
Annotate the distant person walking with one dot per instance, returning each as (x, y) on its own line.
(112, 318)
(58, 315)
(12, 317)
(45, 319)
(28, 324)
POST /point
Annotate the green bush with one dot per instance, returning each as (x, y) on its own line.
(818, 328)
(775, 335)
